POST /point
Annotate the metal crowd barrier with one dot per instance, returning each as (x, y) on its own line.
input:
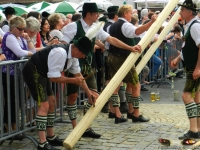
(168, 51)
(24, 106)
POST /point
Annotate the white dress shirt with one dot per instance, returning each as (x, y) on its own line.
(56, 62)
(70, 31)
(194, 32)
(128, 29)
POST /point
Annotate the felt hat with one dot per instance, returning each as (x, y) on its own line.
(90, 7)
(45, 14)
(83, 44)
(112, 9)
(190, 4)
(9, 11)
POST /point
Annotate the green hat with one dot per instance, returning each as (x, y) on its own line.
(189, 4)
(83, 44)
(90, 7)
(112, 9)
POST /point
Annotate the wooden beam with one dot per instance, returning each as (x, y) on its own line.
(87, 119)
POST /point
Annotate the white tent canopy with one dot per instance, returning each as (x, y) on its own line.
(11, 5)
(154, 1)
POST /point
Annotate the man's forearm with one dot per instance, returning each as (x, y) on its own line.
(62, 79)
(118, 43)
(143, 28)
(198, 61)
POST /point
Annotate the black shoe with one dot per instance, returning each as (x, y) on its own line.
(120, 120)
(47, 146)
(140, 118)
(105, 108)
(190, 134)
(123, 107)
(111, 115)
(90, 133)
(130, 115)
(144, 89)
(55, 142)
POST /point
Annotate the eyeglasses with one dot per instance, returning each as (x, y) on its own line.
(20, 29)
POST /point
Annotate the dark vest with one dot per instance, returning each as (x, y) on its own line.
(40, 59)
(106, 26)
(115, 31)
(5, 22)
(190, 50)
(80, 32)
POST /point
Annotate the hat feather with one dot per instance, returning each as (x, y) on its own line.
(197, 2)
(91, 33)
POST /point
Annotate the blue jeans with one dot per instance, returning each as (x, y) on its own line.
(156, 62)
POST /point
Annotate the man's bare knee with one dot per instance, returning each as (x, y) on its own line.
(72, 98)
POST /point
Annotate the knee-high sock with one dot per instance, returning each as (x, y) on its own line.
(115, 100)
(128, 97)
(50, 119)
(191, 110)
(71, 110)
(41, 122)
(87, 106)
(135, 101)
(198, 110)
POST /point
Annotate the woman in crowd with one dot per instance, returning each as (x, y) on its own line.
(44, 32)
(32, 29)
(36, 39)
(56, 24)
(21, 46)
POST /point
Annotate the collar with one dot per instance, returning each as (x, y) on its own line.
(123, 19)
(190, 22)
(110, 20)
(84, 24)
(69, 55)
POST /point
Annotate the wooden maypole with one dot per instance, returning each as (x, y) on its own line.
(91, 114)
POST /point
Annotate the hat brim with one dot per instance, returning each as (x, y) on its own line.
(99, 10)
(194, 9)
(106, 13)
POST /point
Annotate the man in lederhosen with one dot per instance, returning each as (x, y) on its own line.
(45, 66)
(125, 31)
(90, 14)
(190, 54)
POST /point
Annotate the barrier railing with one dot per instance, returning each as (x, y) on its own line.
(17, 108)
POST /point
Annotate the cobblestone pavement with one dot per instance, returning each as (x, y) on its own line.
(168, 120)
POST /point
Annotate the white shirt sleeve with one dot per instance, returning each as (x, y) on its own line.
(128, 30)
(74, 68)
(69, 32)
(102, 35)
(195, 33)
(56, 61)
(13, 45)
(5, 28)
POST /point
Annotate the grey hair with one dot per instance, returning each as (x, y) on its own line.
(62, 16)
(144, 12)
(33, 24)
(16, 21)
